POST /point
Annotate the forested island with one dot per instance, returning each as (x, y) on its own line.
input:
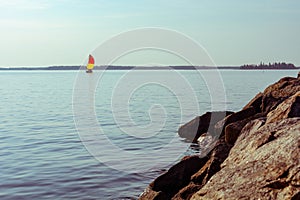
(279, 65)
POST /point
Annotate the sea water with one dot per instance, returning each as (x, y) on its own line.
(44, 153)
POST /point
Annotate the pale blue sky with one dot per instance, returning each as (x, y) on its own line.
(64, 32)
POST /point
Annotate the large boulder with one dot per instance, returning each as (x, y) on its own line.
(289, 108)
(263, 164)
(177, 177)
(220, 126)
(278, 92)
(232, 130)
(213, 165)
(187, 192)
(255, 103)
(201, 124)
(274, 94)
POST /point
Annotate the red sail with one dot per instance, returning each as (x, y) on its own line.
(91, 59)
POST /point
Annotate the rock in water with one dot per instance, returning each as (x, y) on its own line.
(177, 177)
(263, 164)
(255, 157)
(201, 124)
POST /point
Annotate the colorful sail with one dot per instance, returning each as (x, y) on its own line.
(91, 63)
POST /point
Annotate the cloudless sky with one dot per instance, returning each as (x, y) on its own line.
(64, 32)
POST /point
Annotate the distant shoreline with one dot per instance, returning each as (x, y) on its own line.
(50, 68)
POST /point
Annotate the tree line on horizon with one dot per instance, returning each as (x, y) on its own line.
(279, 65)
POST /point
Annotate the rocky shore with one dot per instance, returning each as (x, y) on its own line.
(250, 154)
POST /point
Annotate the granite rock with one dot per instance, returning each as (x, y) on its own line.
(250, 154)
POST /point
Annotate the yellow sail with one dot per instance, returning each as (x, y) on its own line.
(90, 66)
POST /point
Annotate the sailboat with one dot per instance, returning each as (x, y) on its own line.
(90, 65)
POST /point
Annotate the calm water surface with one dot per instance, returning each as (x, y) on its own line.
(43, 157)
